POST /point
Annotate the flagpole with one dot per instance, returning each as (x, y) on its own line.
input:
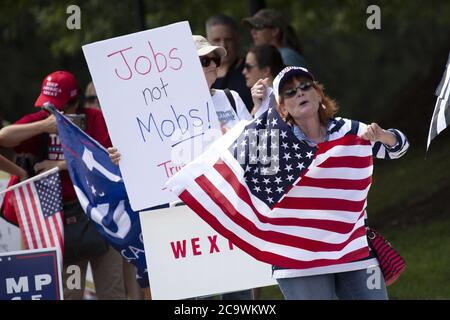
(39, 176)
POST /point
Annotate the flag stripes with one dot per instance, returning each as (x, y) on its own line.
(315, 224)
(39, 230)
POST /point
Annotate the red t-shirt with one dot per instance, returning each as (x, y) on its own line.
(95, 127)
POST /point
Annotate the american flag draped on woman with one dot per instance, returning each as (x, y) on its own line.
(290, 188)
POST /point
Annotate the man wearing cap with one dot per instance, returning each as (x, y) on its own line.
(35, 136)
(269, 26)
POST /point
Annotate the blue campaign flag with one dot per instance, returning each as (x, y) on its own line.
(101, 192)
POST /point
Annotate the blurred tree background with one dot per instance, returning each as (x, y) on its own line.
(387, 75)
(365, 70)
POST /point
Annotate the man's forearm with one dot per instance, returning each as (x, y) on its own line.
(15, 134)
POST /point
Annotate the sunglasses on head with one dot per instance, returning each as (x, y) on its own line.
(206, 61)
(304, 86)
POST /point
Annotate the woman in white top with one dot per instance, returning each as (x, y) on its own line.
(210, 60)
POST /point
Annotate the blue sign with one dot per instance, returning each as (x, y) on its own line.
(30, 275)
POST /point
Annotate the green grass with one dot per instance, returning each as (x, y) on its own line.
(426, 251)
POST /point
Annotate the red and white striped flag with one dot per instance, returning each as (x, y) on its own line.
(305, 209)
(38, 205)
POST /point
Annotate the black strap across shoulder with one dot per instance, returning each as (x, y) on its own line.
(230, 98)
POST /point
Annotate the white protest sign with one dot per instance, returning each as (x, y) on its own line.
(156, 104)
(187, 258)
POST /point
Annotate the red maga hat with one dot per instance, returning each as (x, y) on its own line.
(58, 88)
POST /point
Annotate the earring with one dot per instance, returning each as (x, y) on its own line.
(323, 106)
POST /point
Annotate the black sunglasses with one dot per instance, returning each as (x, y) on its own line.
(206, 61)
(304, 86)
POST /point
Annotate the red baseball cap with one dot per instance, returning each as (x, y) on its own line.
(58, 88)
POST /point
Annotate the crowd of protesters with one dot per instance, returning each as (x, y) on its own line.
(237, 82)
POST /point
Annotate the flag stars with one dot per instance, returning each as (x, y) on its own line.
(300, 165)
(284, 145)
(268, 190)
(269, 199)
(280, 190)
(257, 189)
(288, 168)
(290, 178)
(287, 156)
(309, 154)
(274, 122)
(283, 134)
(278, 180)
(266, 181)
(298, 155)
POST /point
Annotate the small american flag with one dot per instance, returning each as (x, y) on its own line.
(38, 204)
(280, 200)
